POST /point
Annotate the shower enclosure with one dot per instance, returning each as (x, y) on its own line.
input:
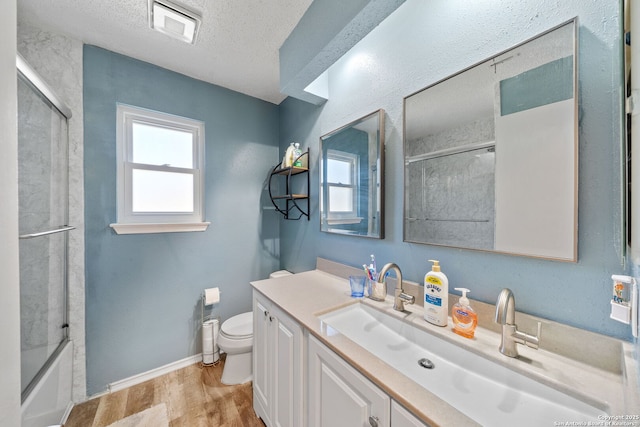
(43, 227)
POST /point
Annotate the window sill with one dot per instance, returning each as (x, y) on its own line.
(158, 228)
(344, 221)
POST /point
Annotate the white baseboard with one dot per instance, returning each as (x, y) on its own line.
(153, 373)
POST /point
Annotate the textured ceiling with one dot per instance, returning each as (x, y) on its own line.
(237, 44)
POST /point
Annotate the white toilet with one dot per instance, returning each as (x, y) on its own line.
(236, 339)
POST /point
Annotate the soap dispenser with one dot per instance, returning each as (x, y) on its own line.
(436, 296)
(464, 317)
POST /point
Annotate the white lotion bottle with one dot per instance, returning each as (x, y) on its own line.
(436, 296)
(287, 162)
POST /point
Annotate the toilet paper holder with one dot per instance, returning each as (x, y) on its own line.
(210, 297)
(210, 350)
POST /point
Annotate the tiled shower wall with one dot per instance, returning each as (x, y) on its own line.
(450, 199)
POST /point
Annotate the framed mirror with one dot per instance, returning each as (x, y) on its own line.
(352, 178)
(491, 153)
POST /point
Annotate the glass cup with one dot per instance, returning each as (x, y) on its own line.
(357, 285)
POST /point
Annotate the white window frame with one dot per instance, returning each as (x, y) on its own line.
(130, 222)
(354, 163)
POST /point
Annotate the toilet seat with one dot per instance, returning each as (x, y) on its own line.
(236, 334)
(238, 327)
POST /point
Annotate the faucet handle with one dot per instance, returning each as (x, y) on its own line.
(523, 338)
(534, 341)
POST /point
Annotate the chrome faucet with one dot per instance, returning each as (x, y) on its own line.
(400, 297)
(506, 316)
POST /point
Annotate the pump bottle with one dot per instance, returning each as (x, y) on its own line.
(464, 317)
(436, 296)
(287, 161)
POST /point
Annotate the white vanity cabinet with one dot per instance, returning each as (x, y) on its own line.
(339, 396)
(400, 417)
(278, 362)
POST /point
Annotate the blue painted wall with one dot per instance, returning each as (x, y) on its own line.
(441, 37)
(143, 291)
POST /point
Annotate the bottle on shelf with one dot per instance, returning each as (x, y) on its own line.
(297, 155)
(287, 161)
(293, 202)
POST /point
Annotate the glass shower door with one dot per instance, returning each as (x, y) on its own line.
(43, 216)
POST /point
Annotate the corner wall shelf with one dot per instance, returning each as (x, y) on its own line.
(294, 203)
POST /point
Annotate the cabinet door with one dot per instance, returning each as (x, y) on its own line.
(339, 396)
(287, 402)
(261, 357)
(400, 417)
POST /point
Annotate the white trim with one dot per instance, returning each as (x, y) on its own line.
(353, 160)
(96, 395)
(153, 373)
(128, 115)
(349, 220)
(158, 228)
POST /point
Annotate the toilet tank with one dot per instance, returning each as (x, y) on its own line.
(279, 273)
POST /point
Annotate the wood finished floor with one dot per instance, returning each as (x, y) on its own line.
(194, 397)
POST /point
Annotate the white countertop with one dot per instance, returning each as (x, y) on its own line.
(305, 296)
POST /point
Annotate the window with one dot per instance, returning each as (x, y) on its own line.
(160, 172)
(342, 183)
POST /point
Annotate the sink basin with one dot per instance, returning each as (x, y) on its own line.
(483, 390)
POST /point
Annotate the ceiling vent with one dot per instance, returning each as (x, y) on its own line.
(173, 20)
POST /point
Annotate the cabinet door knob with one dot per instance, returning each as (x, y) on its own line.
(270, 318)
(373, 421)
(266, 313)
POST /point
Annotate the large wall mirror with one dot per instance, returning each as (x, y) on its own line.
(491, 153)
(352, 178)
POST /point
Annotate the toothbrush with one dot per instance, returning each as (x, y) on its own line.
(373, 267)
(367, 270)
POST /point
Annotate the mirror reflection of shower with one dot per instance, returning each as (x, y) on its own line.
(43, 225)
(491, 153)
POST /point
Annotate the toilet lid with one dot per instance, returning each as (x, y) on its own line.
(240, 325)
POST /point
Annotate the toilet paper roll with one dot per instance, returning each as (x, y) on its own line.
(211, 296)
(207, 337)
